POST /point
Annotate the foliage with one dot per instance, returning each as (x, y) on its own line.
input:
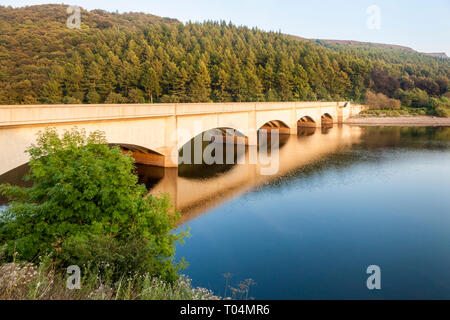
(394, 113)
(441, 107)
(86, 208)
(379, 101)
(44, 282)
(135, 57)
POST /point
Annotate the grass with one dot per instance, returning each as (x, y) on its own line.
(43, 282)
(395, 113)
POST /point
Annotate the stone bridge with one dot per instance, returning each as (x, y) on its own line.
(156, 132)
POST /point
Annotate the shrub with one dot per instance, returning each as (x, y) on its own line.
(441, 107)
(86, 207)
(442, 111)
(43, 282)
(72, 100)
(115, 98)
(419, 98)
(380, 101)
(136, 96)
(93, 97)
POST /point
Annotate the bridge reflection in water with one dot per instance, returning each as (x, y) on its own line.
(195, 189)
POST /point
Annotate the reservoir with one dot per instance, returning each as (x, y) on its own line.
(342, 199)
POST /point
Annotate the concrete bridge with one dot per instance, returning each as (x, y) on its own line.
(155, 132)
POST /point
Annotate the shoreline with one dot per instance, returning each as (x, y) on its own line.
(416, 121)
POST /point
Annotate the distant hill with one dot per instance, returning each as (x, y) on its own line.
(40, 15)
(437, 55)
(370, 45)
(138, 57)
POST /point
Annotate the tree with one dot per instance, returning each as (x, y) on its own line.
(94, 75)
(193, 62)
(135, 96)
(419, 98)
(93, 97)
(301, 85)
(384, 82)
(86, 208)
(379, 101)
(115, 98)
(51, 92)
(199, 87)
(443, 85)
(150, 82)
(73, 75)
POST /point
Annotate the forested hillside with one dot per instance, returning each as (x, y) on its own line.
(120, 58)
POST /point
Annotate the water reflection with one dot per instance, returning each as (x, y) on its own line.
(15, 177)
(342, 201)
(198, 188)
(195, 188)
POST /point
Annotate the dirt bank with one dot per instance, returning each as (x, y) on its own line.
(399, 121)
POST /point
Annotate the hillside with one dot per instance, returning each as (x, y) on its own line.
(368, 45)
(356, 43)
(137, 57)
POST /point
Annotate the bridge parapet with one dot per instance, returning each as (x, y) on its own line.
(13, 115)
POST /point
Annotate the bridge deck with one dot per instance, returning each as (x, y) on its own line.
(11, 115)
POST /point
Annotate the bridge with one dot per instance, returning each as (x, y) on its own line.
(154, 133)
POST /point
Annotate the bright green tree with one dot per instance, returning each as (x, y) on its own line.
(150, 82)
(51, 93)
(86, 208)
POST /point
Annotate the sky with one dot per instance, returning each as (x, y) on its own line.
(423, 25)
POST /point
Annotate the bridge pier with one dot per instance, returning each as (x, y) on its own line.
(252, 137)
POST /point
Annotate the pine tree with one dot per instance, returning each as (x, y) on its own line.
(150, 82)
(199, 86)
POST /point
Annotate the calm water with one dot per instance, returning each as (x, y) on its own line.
(359, 196)
(342, 199)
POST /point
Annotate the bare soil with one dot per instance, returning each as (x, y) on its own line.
(399, 121)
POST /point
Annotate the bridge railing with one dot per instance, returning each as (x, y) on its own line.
(12, 115)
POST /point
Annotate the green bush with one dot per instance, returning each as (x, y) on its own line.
(442, 111)
(86, 207)
(441, 107)
(404, 112)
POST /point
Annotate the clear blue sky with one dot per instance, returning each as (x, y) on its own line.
(423, 25)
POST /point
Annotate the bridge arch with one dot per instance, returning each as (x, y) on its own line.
(277, 118)
(279, 125)
(141, 155)
(185, 136)
(219, 143)
(189, 127)
(306, 121)
(327, 119)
